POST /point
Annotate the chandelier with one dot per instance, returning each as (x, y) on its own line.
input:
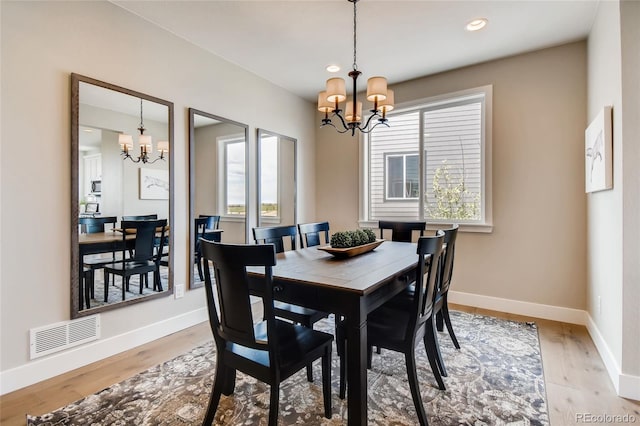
(351, 120)
(146, 145)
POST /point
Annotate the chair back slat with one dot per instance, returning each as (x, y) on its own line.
(310, 233)
(446, 271)
(146, 239)
(402, 231)
(92, 225)
(275, 235)
(234, 321)
(429, 252)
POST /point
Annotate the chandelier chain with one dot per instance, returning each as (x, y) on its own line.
(355, 64)
(141, 123)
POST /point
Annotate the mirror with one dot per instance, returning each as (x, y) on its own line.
(217, 161)
(276, 179)
(108, 184)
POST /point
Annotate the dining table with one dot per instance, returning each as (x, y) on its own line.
(351, 287)
(108, 241)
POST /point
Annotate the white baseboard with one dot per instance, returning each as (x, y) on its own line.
(626, 386)
(554, 313)
(53, 365)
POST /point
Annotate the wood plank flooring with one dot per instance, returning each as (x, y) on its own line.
(577, 382)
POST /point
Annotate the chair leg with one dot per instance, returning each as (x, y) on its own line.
(439, 325)
(274, 403)
(369, 356)
(310, 372)
(415, 388)
(199, 264)
(144, 278)
(343, 377)
(106, 286)
(429, 345)
(216, 392)
(447, 321)
(326, 381)
(436, 347)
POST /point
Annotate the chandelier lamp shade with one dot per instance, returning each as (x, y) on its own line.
(351, 118)
(145, 143)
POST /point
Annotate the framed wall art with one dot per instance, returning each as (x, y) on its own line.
(154, 184)
(598, 152)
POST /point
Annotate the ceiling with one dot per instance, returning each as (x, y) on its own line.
(290, 43)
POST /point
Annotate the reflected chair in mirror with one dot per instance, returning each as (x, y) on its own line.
(271, 350)
(200, 226)
(310, 233)
(141, 217)
(296, 313)
(402, 231)
(144, 258)
(94, 225)
(214, 221)
(401, 330)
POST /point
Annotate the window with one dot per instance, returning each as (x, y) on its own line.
(402, 176)
(432, 163)
(233, 172)
(269, 176)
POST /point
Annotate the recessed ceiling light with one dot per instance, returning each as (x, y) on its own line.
(476, 24)
(88, 130)
(333, 68)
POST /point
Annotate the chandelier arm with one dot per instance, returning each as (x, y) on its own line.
(344, 123)
(375, 114)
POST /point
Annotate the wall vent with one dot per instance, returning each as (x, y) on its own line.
(63, 335)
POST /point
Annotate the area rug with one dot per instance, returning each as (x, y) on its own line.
(496, 378)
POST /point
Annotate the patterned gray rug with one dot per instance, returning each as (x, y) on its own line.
(495, 379)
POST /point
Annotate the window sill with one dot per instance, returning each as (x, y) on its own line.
(463, 227)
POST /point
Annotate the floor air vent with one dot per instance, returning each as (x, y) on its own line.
(63, 335)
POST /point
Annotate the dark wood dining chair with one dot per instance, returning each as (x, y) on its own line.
(310, 233)
(271, 350)
(213, 221)
(296, 313)
(144, 258)
(93, 225)
(142, 217)
(400, 330)
(276, 235)
(402, 231)
(200, 226)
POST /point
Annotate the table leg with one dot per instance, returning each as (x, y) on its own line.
(357, 366)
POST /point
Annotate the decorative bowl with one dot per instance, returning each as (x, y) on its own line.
(351, 251)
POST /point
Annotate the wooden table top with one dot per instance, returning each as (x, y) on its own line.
(361, 274)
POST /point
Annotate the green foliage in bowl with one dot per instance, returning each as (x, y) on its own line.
(346, 239)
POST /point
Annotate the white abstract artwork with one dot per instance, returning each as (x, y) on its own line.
(154, 184)
(598, 153)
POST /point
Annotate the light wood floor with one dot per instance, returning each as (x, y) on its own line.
(576, 380)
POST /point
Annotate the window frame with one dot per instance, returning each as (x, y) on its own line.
(482, 93)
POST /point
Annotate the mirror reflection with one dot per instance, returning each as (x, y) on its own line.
(218, 158)
(277, 179)
(120, 177)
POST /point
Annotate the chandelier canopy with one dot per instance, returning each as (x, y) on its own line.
(351, 118)
(145, 142)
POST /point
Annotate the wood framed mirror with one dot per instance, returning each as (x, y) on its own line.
(277, 169)
(107, 186)
(218, 158)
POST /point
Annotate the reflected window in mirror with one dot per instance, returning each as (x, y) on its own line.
(276, 179)
(217, 176)
(106, 121)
